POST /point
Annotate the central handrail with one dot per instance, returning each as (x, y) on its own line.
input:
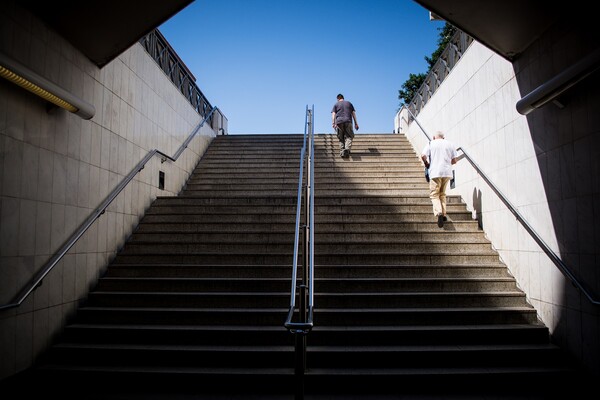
(36, 280)
(564, 268)
(305, 291)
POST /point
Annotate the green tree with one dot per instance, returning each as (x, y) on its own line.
(410, 87)
(446, 33)
(414, 81)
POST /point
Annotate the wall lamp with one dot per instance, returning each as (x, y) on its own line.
(550, 90)
(19, 74)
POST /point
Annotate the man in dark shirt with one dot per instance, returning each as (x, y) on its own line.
(342, 115)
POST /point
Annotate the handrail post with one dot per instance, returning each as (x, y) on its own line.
(302, 311)
(303, 284)
(300, 365)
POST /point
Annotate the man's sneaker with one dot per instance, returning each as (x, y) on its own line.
(440, 221)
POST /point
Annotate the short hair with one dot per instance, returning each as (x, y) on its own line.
(439, 134)
(340, 96)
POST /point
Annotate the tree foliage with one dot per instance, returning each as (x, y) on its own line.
(410, 87)
(446, 33)
(414, 81)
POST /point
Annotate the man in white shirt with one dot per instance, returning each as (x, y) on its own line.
(439, 155)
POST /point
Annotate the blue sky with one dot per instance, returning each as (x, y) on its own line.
(263, 61)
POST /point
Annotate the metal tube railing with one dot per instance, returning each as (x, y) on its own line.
(553, 88)
(305, 291)
(566, 271)
(37, 279)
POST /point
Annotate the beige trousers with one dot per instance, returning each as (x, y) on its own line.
(437, 194)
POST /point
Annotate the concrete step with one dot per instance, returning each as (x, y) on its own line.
(292, 200)
(218, 170)
(433, 356)
(240, 193)
(359, 209)
(323, 237)
(293, 192)
(320, 170)
(320, 335)
(243, 209)
(327, 317)
(168, 382)
(332, 186)
(340, 228)
(323, 156)
(222, 219)
(262, 271)
(271, 258)
(279, 356)
(292, 175)
(364, 300)
(295, 151)
(337, 285)
(176, 355)
(425, 217)
(375, 151)
(320, 155)
(341, 246)
(391, 178)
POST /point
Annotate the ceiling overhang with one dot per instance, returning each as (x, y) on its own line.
(507, 27)
(104, 29)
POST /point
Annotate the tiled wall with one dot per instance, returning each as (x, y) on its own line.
(56, 168)
(546, 164)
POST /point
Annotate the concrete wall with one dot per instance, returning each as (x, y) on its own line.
(56, 168)
(548, 166)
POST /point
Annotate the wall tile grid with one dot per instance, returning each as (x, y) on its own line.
(55, 169)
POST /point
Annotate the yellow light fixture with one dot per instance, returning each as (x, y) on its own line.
(40, 86)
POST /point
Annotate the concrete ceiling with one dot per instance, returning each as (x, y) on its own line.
(507, 27)
(103, 29)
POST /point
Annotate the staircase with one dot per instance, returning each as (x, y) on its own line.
(195, 301)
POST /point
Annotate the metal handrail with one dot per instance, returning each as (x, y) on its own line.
(304, 327)
(37, 279)
(554, 87)
(566, 271)
(306, 288)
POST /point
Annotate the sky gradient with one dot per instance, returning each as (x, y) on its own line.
(263, 61)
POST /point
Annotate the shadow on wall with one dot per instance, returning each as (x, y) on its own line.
(566, 140)
(477, 207)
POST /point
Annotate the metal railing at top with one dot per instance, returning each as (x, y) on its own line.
(453, 52)
(303, 288)
(564, 268)
(37, 279)
(161, 51)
